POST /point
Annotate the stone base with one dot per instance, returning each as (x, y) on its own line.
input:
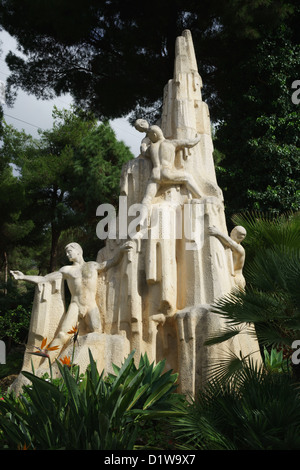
(106, 350)
(195, 325)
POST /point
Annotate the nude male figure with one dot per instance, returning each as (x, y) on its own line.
(233, 242)
(162, 153)
(81, 278)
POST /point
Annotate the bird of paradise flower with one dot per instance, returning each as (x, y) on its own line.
(66, 361)
(74, 331)
(43, 351)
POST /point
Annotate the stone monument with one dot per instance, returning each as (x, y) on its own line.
(152, 286)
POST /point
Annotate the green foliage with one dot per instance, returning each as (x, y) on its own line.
(269, 230)
(274, 361)
(88, 412)
(269, 307)
(156, 387)
(105, 57)
(259, 137)
(257, 411)
(112, 67)
(64, 175)
(97, 169)
(156, 434)
(14, 361)
(14, 324)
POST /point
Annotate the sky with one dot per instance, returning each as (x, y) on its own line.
(31, 114)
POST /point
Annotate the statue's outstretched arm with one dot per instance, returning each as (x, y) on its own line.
(186, 143)
(224, 239)
(19, 276)
(105, 265)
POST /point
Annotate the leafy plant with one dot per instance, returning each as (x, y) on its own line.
(274, 361)
(256, 411)
(88, 411)
(14, 324)
(157, 387)
(270, 303)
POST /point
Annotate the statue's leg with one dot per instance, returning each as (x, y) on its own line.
(70, 321)
(93, 320)
(151, 191)
(182, 177)
(150, 194)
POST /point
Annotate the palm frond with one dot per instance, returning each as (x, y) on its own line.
(197, 432)
(229, 369)
(223, 335)
(268, 229)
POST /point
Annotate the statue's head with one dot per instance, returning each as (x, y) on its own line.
(73, 250)
(141, 125)
(155, 133)
(238, 233)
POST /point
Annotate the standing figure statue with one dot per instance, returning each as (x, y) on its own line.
(81, 279)
(233, 242)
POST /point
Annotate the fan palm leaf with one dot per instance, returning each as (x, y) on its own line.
(271, 299)
(257, 411)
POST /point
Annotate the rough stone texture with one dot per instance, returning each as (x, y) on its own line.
(157, 299)
(161, 295)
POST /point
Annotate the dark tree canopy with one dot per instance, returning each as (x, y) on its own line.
(116, 56)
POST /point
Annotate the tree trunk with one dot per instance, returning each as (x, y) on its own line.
(57, 197)
(55, 234)
(5, 272)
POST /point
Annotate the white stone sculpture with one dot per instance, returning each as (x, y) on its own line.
(83, 312)
(237, 235)
(157, 299)
(162, 153)
(81, 278)
(177, 270)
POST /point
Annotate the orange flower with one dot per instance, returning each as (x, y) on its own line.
(25, 447)
(43, 350)
(66, 361)
(73, 331)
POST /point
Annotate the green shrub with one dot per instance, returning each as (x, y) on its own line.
(14, 361)
(87, 411)
(259, 410)
(275, 361)
(14, 324)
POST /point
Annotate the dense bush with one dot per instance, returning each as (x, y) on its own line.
(87, 411)
(259, 410)
(14, 324)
